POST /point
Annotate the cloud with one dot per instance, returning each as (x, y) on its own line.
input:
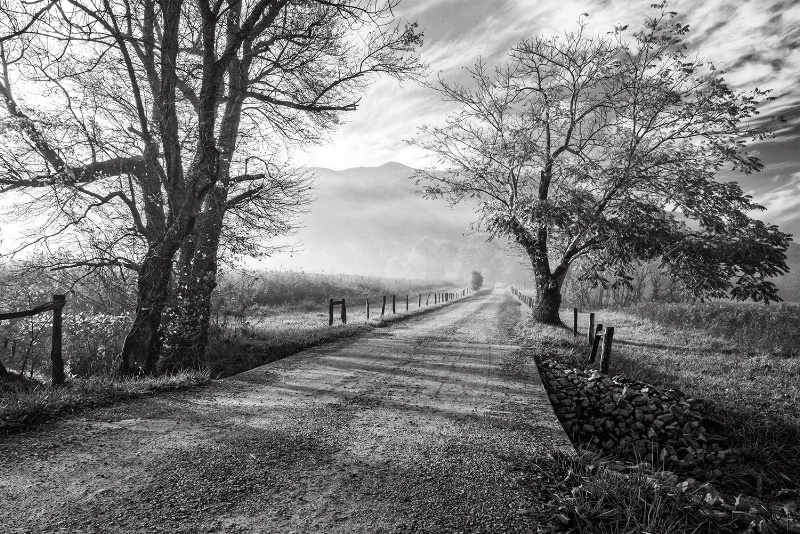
(757, 43)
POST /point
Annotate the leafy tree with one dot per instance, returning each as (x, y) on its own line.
(477, 280)
(587, 147)
(164, 126)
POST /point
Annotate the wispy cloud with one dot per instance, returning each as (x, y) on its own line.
(757, 43)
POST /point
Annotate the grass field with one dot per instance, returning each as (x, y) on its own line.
(753, 390)
(265, 334)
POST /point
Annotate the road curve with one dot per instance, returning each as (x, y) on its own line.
(434, 424)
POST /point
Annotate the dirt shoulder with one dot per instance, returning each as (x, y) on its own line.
(435, 424)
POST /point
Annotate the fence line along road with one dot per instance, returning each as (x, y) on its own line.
(56, 357)
(438, 298)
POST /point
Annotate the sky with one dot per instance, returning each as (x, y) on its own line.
(756, 43)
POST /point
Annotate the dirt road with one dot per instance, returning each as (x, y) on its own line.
(434, 424)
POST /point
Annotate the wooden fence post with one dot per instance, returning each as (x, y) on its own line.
(597, 337)
(393, 307)
(383, 307)
(330, 312)
(420, 301)
(435, 296)
(427, 300)
(368, 309)
(56, 357)
(574, 322)
(406, 302)
(605, 356)
(344, 312)
(590, 332)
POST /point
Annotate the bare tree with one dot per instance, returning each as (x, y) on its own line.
(583, 147)
(138, 122)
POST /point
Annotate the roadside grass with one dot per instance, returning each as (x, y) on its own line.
(268, 334)
(589, 497)
(26, 404)
(755, 395)
(751, 327)
(600, 500)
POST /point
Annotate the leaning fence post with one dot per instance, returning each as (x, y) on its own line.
(56, 357)
(605, 356)
(597, 337)
(590, 332)
(427, 300)
(367, 309)
(330, 312)
(383, 306)
(574, 322)
(344, 312)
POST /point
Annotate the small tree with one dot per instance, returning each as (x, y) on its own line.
(477, 280)
(584, 147)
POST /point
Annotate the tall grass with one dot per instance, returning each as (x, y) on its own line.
(24, 404)
(754, 328)
(240, 291)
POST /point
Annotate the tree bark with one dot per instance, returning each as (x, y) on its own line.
(548, 299)
(187, 336)
(548, 283)
(143, 343)
(142, 346)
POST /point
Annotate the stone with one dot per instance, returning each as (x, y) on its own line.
(742, 519)
(744, 503)
(765, 527)
(713, 498)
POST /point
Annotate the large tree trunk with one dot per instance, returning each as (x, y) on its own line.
(143, 342)
(547, 304)
(548, 283)
(187, 338)
(548, 295)
(142, 346)
(187, 335)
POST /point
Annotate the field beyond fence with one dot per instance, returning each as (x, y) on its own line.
(773, 329)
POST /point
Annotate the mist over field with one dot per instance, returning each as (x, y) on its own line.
(371, 221)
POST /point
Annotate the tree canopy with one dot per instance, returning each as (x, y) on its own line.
(608, 148)
(141, 128)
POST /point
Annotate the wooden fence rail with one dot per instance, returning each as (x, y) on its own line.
(56, 356)
(331, 304)
(439, 297)
(597, 336)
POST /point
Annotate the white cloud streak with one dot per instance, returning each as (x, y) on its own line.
(757, 43)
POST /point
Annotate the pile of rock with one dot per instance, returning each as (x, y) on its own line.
(633, 420)
(650, 426)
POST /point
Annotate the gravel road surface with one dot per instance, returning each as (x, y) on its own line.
(434, 424)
